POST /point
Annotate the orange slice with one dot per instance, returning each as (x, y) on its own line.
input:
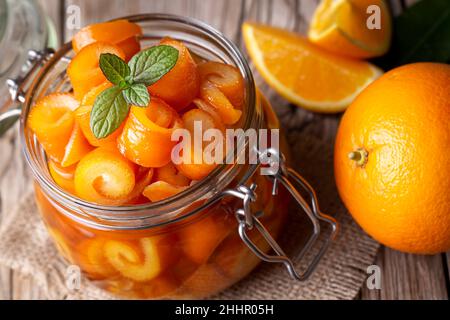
(342, 27)
(304, 73)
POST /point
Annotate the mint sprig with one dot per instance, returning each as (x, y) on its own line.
(130, 81)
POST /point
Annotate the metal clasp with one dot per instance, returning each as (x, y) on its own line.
(35, 59)
(247, 220)
(17, 86)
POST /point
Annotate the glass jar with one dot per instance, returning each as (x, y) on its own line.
(198, 242)
(23, 27)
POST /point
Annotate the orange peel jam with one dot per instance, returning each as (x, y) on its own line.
(193, 258)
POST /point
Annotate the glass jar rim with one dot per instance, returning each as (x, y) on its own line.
(161, 212)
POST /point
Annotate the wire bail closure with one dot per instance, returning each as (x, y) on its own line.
(247, 220)
(35, 59)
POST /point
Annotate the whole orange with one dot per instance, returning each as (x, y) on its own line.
(392, 161)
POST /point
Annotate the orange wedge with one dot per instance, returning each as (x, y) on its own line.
(304, 73)
(349, 27)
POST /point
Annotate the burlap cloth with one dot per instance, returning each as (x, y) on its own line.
(25, 245)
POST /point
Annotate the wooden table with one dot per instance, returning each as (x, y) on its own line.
(404, 276)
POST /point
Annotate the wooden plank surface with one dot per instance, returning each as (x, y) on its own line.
(407, 276)
(403, 276)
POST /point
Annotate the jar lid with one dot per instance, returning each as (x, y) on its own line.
(23, 27)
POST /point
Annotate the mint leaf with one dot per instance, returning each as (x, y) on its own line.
(148, 66)
(114, 68)
(108, 112)
(137, 95)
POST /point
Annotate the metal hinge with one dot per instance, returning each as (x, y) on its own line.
(247, 220)
(17, 87)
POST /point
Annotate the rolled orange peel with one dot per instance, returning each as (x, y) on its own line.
(170, 174)
(115, 32)
(84, 71)
(227, 79)
(104, 176)
(147, 135)
(200, 238)
(52, 120)
(181, 84)
(63, 176)
(76, 148)
(161, 190)
(211, 94)
(141, 263)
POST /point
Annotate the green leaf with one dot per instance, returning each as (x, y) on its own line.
(421, 33)
(114, 68)
(148, 66)
(137, 95)
(109, 111)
